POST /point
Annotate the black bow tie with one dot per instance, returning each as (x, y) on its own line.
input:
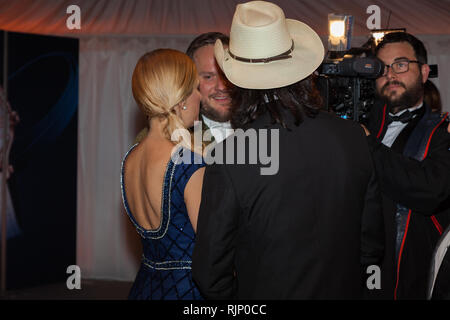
(405, 117)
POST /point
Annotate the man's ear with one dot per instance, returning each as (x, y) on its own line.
(425, 68)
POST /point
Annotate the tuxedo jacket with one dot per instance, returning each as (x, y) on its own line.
(306, 232)
(423, 187)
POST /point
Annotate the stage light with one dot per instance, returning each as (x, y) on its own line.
(340, 31)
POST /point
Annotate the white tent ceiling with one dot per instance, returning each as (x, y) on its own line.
(171, 17)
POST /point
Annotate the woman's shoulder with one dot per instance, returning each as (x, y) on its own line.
(147, 157)
(186, 157)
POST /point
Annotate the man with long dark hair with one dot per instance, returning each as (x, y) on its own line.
(309, 228)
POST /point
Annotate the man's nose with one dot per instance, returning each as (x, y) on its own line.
(390, 74)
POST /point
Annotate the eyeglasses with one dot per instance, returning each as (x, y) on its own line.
(400, 66)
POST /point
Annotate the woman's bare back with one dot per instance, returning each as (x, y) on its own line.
(144, 177)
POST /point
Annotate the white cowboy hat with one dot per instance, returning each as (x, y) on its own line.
(267, 50)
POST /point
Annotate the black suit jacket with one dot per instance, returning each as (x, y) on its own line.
(423, 187)
(303, 233)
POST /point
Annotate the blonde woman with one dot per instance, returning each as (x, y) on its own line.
(162, 195)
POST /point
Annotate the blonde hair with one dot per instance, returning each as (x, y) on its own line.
(161, 80)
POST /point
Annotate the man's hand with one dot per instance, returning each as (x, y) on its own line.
(368, 132)
(448, 129)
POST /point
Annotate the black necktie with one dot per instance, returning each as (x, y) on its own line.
(405, 117)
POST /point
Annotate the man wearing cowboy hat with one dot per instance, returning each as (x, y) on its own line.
(308, 231)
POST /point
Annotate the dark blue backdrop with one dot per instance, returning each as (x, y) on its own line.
(43, 89)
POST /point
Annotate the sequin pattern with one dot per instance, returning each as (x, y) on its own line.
(165, 271)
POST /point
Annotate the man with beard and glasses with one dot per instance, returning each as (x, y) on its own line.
(215, 105)
(410, 148)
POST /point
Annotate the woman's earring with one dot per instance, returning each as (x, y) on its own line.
(184, 107)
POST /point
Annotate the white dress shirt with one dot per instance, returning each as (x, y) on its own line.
(219, 130)
(395, 127)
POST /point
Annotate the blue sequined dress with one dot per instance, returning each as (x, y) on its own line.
(165, 271)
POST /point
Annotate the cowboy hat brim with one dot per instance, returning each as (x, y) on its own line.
(307, 55)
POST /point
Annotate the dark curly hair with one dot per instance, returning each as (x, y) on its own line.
(416, 44)
(300, 99)
(205, 39)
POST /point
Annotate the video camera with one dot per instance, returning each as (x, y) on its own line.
(346, 78)
(347, 84)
